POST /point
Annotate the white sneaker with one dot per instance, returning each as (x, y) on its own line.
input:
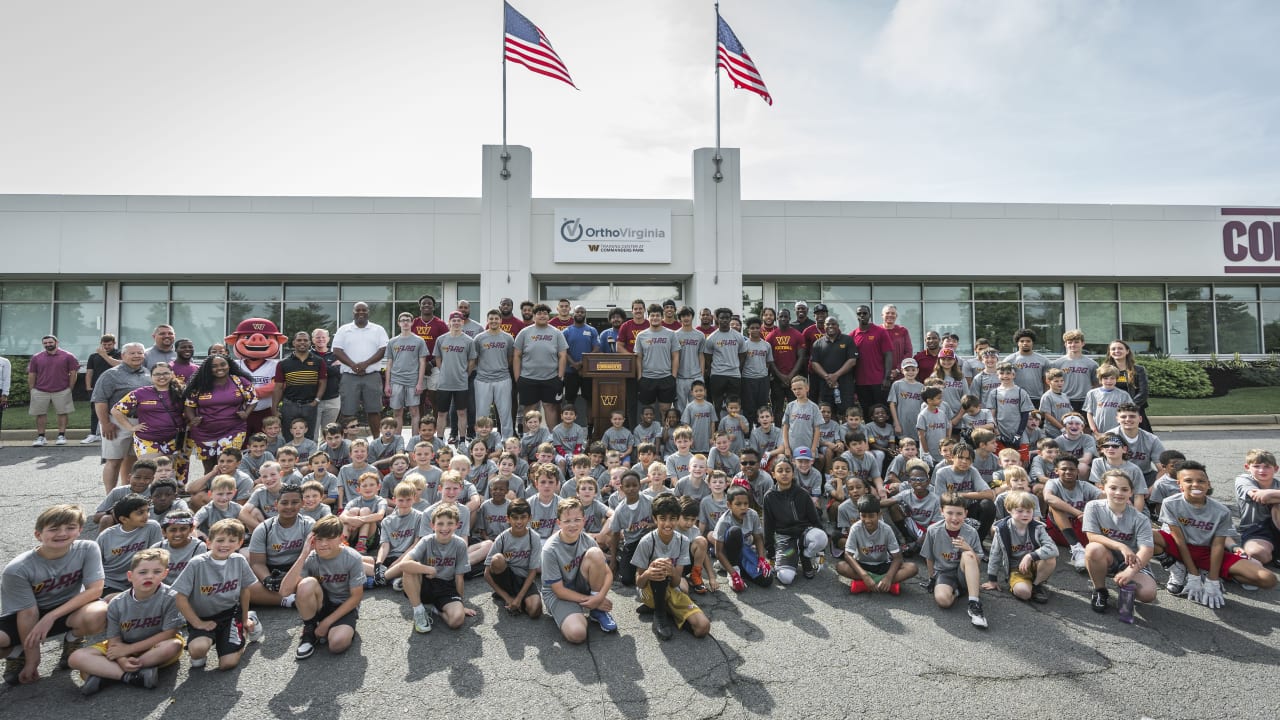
(288, 600)
(1077, 557)
(258, 632)
(1177, 579)
(90, 439)
(421, 620)
(62, 440)
(39, 441)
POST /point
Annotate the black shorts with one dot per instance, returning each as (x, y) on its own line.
(228, 634)
(510, 583)
(440, 592)
(9, 626)
(328, 607)
(533, 392)
(461, 399)
(653, 390)
(1264, 531)
(876, 568)
(1118, 564)
(953, 578)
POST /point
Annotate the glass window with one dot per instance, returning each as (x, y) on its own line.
(845, 293)
(325, 291)
(893, 293)
(791, 292)
(1142, 326)
(308, 316)
(843, 312)
(996, 321)
(81, 292)
(624, 293)
(1190, 327)
(205, 323)
(355, 292)
(1237, 326)
(946, 318)
(411, 291)
(469, 291)
(1041, 292)
(1097, 292)
(995, 292)
(22, 325)
(1147, 293)
(1235, 292)
(752, 299)
(1271, 326)
(593, 296)
(1046, 319)
(138, 320)
(1099, 322)
(238, 310)
(1189, 292)
(27, 292)
(1271, 292)
(141, 292)
(946, 292)
(78, 327)
(238, 292)
(199, 292)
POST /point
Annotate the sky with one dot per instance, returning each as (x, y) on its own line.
(1099, 101)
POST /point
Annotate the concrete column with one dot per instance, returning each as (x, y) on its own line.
(717, 231)
(505, 207)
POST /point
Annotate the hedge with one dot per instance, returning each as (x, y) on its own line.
(18, 391)
(1169, 378)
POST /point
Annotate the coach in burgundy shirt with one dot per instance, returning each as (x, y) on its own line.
(875, 353)
(899, 339)
(927, 358)
(50, 375)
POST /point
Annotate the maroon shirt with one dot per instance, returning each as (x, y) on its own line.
(899, 343)
(786, 344)
(429, 331)
(560, 324)
(872, 344)
(53, 372)
(927, 362)
(510, 325)
(627, 334)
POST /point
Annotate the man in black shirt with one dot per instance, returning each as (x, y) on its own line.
(300, 385)
(834, 357)
(102, 360)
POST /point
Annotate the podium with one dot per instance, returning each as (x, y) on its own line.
(609, 373)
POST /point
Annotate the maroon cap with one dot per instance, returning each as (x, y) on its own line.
(455, 315)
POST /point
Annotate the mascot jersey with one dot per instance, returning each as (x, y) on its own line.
(256, 343)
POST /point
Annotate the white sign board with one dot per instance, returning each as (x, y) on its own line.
(612, 235)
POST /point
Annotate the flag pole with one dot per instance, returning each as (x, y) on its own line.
(716, 158)
(505, 174)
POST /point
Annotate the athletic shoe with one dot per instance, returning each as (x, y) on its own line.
(604, 620)
(1099, 601)
(422, 620)
(198, 662)
(1077, 557)
(1040, 593)
(1177, 584)
(895, 589)
(663, 627)
(13, 667)
(856, 587)
(39, 441)
(144, 678)
(68, 646)
(1249, 588)
(369, 582)
(92, 684)
(398, 584)
(735, 581)
(973, 523)
(62, 440)
(90, 439)
(307, 643)
(288, 600)
(258, 632)
(806, 566)
(975, 614)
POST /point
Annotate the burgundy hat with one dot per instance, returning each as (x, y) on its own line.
(455, 315)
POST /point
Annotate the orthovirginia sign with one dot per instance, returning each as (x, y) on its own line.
(612, 235)
(1251, 245)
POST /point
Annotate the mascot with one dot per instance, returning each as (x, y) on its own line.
(256, 346)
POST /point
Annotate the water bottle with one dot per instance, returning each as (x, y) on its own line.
(836, 397)
(1125, 603)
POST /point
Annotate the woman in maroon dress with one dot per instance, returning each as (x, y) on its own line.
(218, 400)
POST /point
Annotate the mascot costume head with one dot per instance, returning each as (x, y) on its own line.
(256, 343)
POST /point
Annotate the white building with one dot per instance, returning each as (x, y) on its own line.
(1182, 280)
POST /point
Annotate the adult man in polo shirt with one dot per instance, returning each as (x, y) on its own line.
(875, 360)
(51, 375)
(899, 339)
(117, 443)
(300, 382)
(834, 358)
(429, 327)
(541, 354)
(162, 349)
(360, 345)
(582, 339)
(927, 359)
(790, 358)
(812, 333)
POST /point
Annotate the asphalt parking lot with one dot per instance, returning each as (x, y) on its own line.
(811, 650)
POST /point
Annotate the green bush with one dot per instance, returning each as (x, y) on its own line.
(19, 394)
(1169, 378)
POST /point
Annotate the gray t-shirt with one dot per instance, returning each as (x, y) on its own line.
(493, 356)
(281, 545)
(449, 559)
(214, 586)
(264, 500)
(1028, 372)
(1076, 497)
(1100, 466)
(338, 576)
(1132, 527)
(1104, 404)
(34, 581)
(403, 354)
(454, 354)
(924, 511)
(426, 525)
(690, 344)
(1144, 449)
(765, 441)
(118, 547)
(133, 620)
(655, 346)
(1252, 513)
(594, 516)
(542, 518)
(540, 350)
(948, 480)
(179, 557)
(651, 547)
(154, 355)
(1080, 372)
(801, 421)
(938, 547)
(686, 487)
(1007, 406)
(493, 517)
(871, 548)
(1034, 541)
(905, 397)
(617, 439)
(651, 433)
(633, 520)
(562, 562)
(750, 526)
(710, 510)
(1199, 525)
(523, 554)
(701, 418)
(209, 514)
(724, 349)
(759, 353)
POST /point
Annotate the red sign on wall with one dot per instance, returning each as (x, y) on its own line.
(1251, 244)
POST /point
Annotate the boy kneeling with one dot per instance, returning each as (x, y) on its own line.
(951, 550)
(1023, 548)
(328, 579)
(142, 629)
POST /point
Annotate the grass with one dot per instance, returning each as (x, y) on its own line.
(1241, 401)
(16, 418)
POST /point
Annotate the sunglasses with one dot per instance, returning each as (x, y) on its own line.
(1110, 446)
(750, 462)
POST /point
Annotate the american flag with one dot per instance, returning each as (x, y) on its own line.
(731, 56)
(525, 44)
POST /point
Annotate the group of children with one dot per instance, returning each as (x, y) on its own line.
(550, 521)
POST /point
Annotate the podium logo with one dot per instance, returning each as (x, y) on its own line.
(608, 400)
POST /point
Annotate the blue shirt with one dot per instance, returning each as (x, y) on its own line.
(609, 341)
(581, 339)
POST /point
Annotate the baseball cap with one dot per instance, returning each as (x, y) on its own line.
(802, 304)
(991, 351)
(802, 453)
(820, 307)
(946, 353)
(910, 362)
(455, 315)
